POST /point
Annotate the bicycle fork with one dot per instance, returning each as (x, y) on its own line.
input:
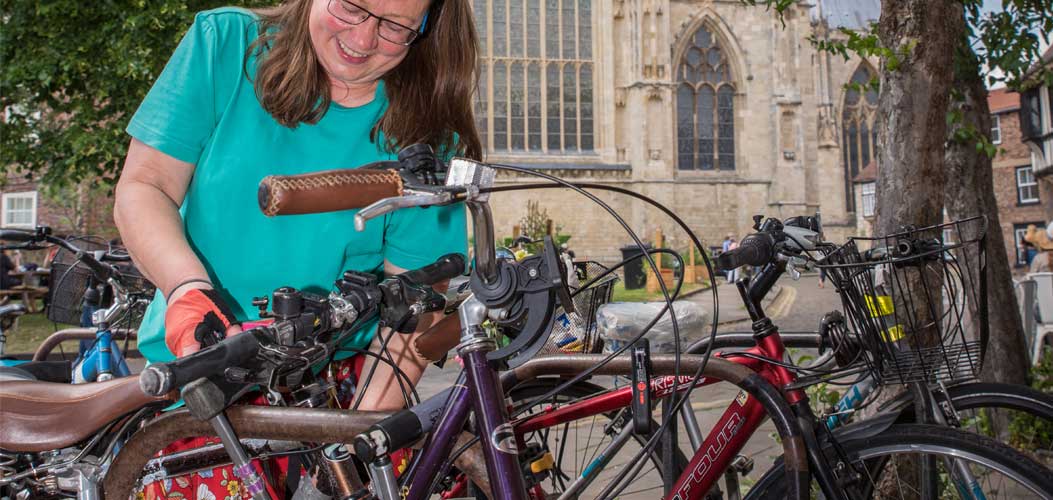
(937, 404)
(482, 394)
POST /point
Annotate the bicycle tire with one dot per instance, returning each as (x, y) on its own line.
(564, 470)
(1033, 480)
(1031, 425)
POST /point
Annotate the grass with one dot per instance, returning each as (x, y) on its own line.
(641, 295)
(31, 330)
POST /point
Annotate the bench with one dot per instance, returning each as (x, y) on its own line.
(28, 294)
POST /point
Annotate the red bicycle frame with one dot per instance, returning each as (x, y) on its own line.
(739, 421)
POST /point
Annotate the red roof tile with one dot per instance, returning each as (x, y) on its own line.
(1003, 99)
(868, 174)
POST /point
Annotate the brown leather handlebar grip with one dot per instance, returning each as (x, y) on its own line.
(437, 340)
(326, 191)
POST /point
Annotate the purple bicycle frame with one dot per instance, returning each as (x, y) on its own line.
(483, 395)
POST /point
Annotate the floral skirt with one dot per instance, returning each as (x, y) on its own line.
(220, 483)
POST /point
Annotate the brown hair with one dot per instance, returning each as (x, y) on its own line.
(429, 92)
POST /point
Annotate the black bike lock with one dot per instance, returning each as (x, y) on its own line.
(641, 371)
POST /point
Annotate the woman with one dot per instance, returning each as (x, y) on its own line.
(306, 86)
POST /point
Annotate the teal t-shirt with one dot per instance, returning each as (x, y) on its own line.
(203, 110)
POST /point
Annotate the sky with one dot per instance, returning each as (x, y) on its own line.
(996, 5)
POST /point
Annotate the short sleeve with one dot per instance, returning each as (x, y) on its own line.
(416, 237)
(178, 114)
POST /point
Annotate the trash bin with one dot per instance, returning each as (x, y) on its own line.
(635, 277)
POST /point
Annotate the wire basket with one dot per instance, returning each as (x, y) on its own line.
(576, 332)
(917, 300)
(70, 280)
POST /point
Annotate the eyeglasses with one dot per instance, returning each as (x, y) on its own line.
(354, 14)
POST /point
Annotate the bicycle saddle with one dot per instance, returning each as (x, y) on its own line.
(10, 373)
(12, 310)
(41, 416)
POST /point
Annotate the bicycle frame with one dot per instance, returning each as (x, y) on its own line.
(735, 426)
(103, 361)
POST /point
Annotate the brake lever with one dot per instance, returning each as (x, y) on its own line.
(388, 205)
(413, 300)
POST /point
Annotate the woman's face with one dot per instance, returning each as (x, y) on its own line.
(354, 56)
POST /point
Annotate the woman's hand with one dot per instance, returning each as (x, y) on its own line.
(196, 318)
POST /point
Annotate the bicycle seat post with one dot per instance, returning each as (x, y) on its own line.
(206, 402)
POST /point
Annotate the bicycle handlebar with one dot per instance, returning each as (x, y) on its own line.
(755, 250)
(161, 378)
(43, 234)
(18, 236)
(446, 268)
(327, 191)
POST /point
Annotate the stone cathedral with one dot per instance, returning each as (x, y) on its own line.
(714, 108)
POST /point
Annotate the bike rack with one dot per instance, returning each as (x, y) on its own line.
(77, 334)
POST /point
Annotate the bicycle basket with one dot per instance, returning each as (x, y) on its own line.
(916, 299)
(576, 332)
(70, 279)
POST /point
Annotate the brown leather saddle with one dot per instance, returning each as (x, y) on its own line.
(40, 416)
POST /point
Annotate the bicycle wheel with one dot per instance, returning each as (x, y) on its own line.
(1024, 415)
(875, 467)
(576, 445)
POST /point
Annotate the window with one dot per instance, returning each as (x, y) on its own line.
(535, 75)
(857, 124)
(1031, 114)
(705, 106)
(1019, 230)
(19, 209)
(996, 129)
(868, 189)
(1026, 187)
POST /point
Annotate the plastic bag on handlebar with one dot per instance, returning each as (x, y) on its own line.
(620, 322)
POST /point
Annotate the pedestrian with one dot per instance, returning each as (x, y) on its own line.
(8, 266)
(304, 86)
(822, 277)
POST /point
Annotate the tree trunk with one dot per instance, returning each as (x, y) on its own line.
(913, 105)
(916, 82)
(970, 192)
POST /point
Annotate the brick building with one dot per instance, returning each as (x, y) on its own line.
(1015, 186)
(80, 210)
(1036, 115)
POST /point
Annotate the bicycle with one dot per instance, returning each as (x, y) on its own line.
(392, 437)
(102, 359)
(9, 313)
(285, 350)
(939, 404)
(617, 431)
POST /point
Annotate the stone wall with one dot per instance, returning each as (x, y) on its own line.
(787, 111)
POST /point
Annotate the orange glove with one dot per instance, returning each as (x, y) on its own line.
(197, 319)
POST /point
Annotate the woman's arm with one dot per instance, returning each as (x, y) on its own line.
(146, 209)
(383, 392)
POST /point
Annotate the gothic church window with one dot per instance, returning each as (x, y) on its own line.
(535, 90)
(859, 132)
(705, 106)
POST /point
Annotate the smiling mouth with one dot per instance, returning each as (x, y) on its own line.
(348, 51)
